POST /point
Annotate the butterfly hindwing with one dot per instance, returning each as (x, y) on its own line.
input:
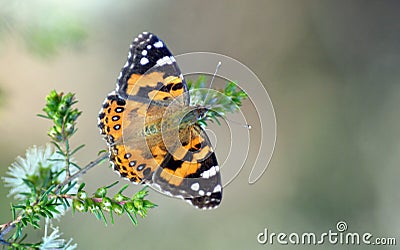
(192, 171)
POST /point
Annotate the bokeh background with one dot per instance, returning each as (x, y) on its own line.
(330, 68)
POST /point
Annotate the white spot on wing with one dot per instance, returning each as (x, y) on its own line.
(217, 189)
(209, 173)
(158, 44)
(195, 186)
(144, 52)
(148, 46)
(201, 192)
(144, 61)
(212, 171)
(164, 60)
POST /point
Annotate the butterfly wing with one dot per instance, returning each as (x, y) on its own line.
(191, 172)
(151, 72)
(149, 81)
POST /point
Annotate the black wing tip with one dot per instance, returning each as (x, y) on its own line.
(143, 37)
(206, 202)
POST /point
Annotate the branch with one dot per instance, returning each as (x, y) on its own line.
(81, 172)
(4, 228)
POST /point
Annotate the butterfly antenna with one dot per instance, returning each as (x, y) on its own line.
(245, 125)
(212, 80)
(215, 73)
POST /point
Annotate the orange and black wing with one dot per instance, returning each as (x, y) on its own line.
(151, 72)
(122, 122)
(191, 172)
(149, 81)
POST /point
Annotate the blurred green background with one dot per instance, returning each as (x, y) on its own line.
(330, 68)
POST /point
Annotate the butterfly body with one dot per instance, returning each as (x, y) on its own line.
(152, 132)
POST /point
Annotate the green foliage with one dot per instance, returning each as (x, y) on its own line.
(218, 102)
(119, 204)
(45, 183)
(59, 109)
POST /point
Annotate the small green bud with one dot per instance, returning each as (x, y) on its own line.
(62, 108)
(69, 128)
(106, 204)
(91, 204)
(101, 192)
(79, 205)
(119, 197)
(82, 195)
(141, 194)
(54, 134)
(28, 210)
(52, 99)
(130, 207)
(36, 208)
(58, 128)
(117, 208)
(138, 204)
(68, 99)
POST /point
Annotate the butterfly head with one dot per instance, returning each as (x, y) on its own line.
(193, 115)
(201, 112)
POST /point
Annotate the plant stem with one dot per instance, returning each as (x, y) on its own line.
(4, 227)
(67, 158)
(81, 172)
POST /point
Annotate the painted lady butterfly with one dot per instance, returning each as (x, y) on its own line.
(152, 132)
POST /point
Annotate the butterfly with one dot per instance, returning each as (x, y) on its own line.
(152, 131)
